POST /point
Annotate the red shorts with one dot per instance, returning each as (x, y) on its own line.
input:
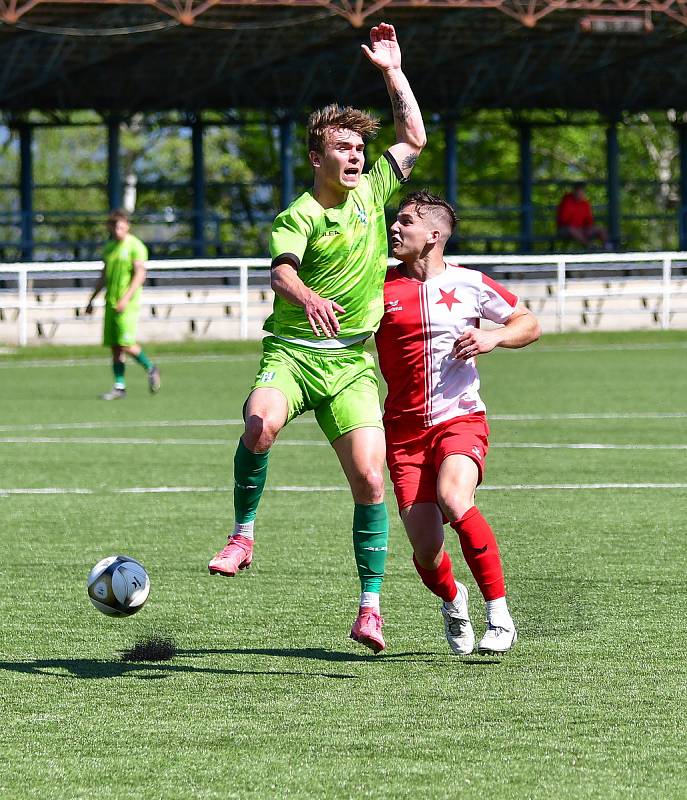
(414, 462)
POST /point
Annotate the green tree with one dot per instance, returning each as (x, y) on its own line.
(241, 155)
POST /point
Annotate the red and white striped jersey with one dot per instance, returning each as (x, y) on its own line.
(421, 322)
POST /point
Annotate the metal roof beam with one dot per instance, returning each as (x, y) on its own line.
(528, 14)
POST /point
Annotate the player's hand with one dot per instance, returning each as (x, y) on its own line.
(321, 314)
(472, 342)
(121, 305)
(385, 52)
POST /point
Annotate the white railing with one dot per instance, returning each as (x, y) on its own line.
(601, 277)
(208, 285)
(567, 291)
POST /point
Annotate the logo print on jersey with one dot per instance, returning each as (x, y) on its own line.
(448, 299)
(266, 377)
(393, 305)
(361, 213)
(477, 452)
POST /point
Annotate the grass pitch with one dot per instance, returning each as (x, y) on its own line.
(586, 488)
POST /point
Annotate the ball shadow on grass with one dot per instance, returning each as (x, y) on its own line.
(152, 648)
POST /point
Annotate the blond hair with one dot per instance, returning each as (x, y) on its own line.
(334, 117)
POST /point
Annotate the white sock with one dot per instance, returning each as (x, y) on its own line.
(498, 613)
(458, 603)
(244, 529)
(370, 600)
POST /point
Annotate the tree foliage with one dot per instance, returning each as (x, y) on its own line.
(242, 173)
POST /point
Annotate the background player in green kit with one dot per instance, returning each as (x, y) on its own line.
(329, 251)
(122, 277)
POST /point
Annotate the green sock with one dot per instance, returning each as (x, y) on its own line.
(250, 473)
(370, 538)
(118, 369)
(144, 361)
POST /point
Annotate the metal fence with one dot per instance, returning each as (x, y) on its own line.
(230, 298)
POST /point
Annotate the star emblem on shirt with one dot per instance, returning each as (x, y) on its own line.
(448, 298)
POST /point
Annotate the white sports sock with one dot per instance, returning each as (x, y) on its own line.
(370, 600)
(458, 603)
(244, 529)
(498, 613)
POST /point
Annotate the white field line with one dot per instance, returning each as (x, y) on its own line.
(590, 348)
(153, 423)
(89, 440)
(515, 487)
(226, 423)
(147, 441)
(585, 446)
(614, 415)
(169, 358)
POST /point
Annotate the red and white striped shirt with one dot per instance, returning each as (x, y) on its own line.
(421, 322)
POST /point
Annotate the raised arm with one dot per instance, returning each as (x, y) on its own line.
(385, 54)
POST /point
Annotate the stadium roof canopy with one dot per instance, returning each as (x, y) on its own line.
(128, 55)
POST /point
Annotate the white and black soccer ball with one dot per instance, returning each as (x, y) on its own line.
(118, 586)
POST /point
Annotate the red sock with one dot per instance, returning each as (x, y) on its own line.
(439, 581)
(481, 553)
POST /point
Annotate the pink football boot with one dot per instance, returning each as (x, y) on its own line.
(367, 629)
(237, 555)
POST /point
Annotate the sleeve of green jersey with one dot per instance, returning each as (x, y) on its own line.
(289, 237)
(139, 252)
(385, 178)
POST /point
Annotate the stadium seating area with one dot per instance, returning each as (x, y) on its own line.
(230, 298)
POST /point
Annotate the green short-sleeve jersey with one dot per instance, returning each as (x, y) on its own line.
(119, 260)
(341, 254)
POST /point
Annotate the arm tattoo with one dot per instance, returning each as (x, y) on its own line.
(400, 107)
(409, 162)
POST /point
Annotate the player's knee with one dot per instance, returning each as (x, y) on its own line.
(260, 432)
(427, 555)
(368, 485)
(455, 503)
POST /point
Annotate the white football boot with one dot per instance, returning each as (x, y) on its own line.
(457, 625)
(498, 639)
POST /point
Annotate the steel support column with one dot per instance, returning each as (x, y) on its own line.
(526, 209)
(114, 169)
(26, 190)
(198, 187)
(613, 183)
(451, 161)
(287, 190)
(682, 207)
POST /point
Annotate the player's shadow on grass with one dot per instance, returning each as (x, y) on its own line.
(315, 653)
(90, 669)
(321, 654)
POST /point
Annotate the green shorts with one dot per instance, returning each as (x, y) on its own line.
(120, 327)
(340, 386)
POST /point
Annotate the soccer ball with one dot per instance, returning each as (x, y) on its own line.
(118, 586)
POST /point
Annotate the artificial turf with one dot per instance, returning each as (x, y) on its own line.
(266, 696)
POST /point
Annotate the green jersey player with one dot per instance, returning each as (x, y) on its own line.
(329, 256)
(123, 274)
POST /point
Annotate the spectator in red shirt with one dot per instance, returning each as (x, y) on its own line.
(575, 220)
